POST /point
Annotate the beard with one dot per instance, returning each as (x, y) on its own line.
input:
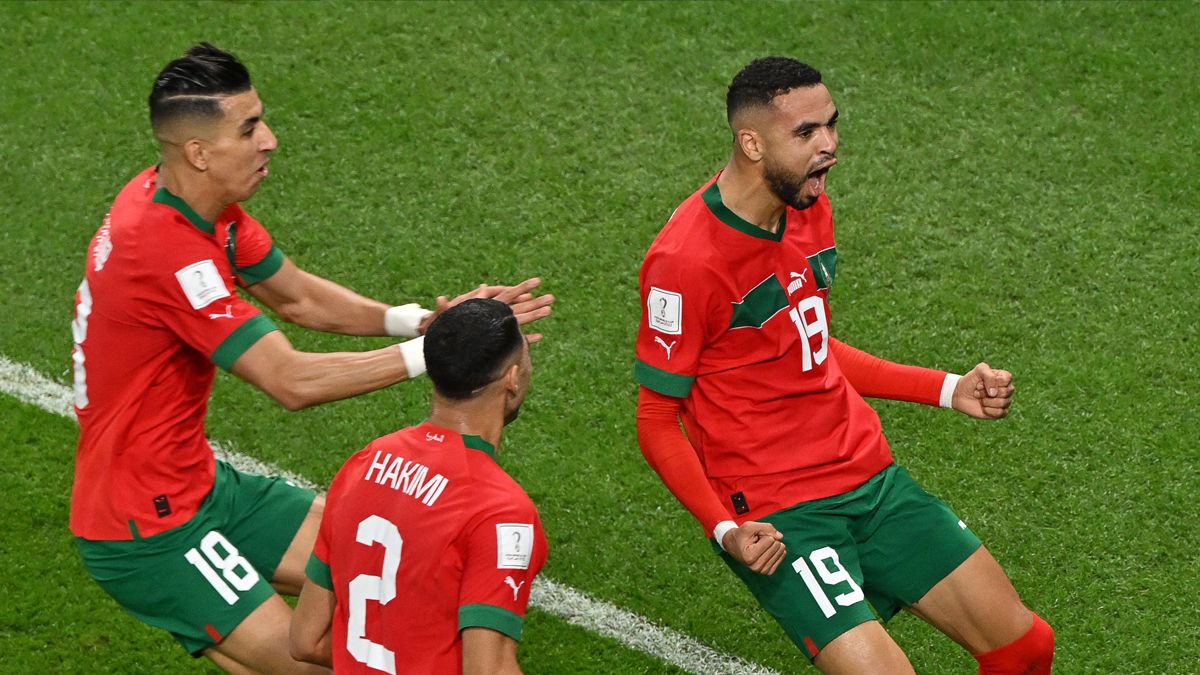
(786, 186)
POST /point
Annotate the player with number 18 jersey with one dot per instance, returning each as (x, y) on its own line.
(424, 535)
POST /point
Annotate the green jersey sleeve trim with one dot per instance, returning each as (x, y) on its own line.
(241, 339)
(318, 572)
(489, 616)
(263, 269)
(661, 381)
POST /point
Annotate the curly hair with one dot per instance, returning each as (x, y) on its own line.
(764, 79)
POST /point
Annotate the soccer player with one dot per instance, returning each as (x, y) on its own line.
(427, 549)
(784, 464)
(181, 541)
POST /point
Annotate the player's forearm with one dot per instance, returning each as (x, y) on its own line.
(672, 457)
(320, 378)
(332, 308)
(878, 378)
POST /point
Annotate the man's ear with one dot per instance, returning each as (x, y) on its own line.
(750, 142)
(195, 151)
(512, 378)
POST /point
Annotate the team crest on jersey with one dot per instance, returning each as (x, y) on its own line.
(202, 283)
(664, 311)
(514, 545)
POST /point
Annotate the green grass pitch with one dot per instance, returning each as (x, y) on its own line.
(1017, 184)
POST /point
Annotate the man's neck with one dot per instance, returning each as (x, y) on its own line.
(483, 417)
(192, 189)
(744, 192)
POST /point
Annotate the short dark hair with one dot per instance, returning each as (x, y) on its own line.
(194, 84)
(764, 79)
(468, 345)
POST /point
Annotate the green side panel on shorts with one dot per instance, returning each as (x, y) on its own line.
(824, 265)
(241, 339)
(762, 302)
(162, 196)
(661, 381)
(489, 616)
(318, 572)
(263, 269)
(712, 198)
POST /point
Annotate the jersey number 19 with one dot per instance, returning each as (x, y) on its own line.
(817, 326)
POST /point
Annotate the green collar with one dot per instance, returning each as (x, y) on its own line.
(712, 197)
(477, 443)
(164, 196)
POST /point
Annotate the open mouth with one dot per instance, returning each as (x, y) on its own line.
(816, 180)
(262, 170)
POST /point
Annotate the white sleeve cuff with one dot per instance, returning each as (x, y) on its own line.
(414, 356)
(946, 400)
(403, 320)
(721, 530)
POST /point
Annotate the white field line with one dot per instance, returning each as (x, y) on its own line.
(636, 632)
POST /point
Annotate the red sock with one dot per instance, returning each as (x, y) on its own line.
(1030, 654)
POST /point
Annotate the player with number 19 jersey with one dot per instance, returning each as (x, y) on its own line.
(736, 323)
(424, 535)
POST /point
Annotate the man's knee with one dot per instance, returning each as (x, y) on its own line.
(1030, 654)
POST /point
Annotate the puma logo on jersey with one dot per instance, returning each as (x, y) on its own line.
(430, 436)
(227, 315)
(514, 585)
(797, 282)
(666, 346)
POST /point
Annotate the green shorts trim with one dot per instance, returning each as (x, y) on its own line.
(199, 580)
(871, 551)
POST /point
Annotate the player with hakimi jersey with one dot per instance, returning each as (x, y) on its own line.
(784, 464)
(180, 540)
(427, 548)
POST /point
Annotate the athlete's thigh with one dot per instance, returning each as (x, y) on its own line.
(816, 594)
(267, 516)
(976, 605)
(866, 648)
(289, 575)
(260, 643)
(909, 542)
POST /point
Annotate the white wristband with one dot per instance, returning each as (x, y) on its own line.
(946, 400)
(721, 530)
(403, 320)
(414, 356)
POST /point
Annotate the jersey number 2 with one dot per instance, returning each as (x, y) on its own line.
(382, 589)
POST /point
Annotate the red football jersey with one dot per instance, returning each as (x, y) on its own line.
(736, 322)
(157, 307)
(424, 535)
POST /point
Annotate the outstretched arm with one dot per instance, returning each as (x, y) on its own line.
(984, 393)
(320, 304)
(297, 380)
(667, 450)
